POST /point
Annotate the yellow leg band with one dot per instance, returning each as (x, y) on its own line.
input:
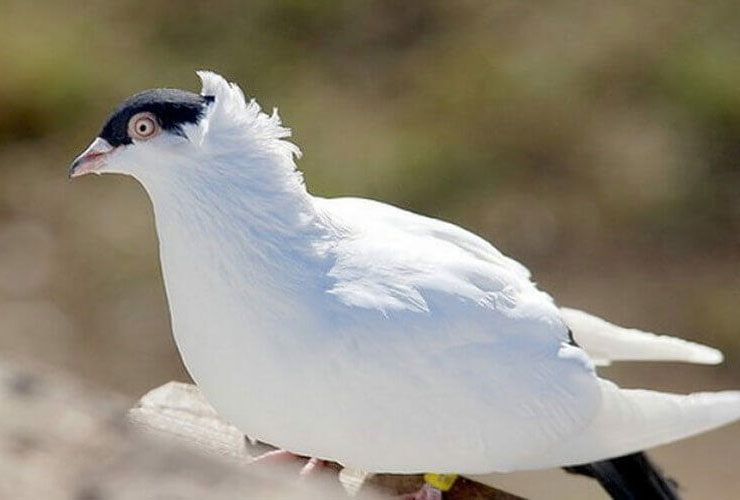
(443, 482)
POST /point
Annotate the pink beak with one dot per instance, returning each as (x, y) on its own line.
(91, 160)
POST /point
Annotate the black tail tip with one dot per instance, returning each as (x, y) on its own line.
(631, 477)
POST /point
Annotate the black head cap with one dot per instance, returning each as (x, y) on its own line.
(172, 107)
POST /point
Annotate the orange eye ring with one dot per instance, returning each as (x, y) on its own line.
(143, 126)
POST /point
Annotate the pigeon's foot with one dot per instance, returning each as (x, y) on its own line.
(282, 456)
(273, 457)
(311, 466)
(426, 492)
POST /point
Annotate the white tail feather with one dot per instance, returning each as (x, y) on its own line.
(605, 342)
(631, 420)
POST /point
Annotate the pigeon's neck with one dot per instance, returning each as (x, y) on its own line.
(236, 245)
(261, 223)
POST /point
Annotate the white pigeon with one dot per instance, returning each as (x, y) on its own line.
(351, 330)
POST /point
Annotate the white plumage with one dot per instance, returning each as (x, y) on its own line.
(605, 342)
(351, 330)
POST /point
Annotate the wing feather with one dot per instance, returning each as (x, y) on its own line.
(606, 342)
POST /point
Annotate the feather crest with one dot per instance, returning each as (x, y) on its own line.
(235, 118)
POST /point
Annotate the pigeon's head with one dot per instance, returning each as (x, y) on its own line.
(157, 134)
(142, 131)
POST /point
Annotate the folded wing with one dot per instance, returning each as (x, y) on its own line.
(603, 341)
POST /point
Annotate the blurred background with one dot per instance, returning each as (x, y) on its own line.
(598, 143)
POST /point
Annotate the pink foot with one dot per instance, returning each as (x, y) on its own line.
(427, 492)
(311, 466)
(273, 457)
(284, 456)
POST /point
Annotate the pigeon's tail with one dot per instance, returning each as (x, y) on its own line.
(631, 420)
(631, 477)
(605, 342)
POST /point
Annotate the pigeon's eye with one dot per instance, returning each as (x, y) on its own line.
(143, 126)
